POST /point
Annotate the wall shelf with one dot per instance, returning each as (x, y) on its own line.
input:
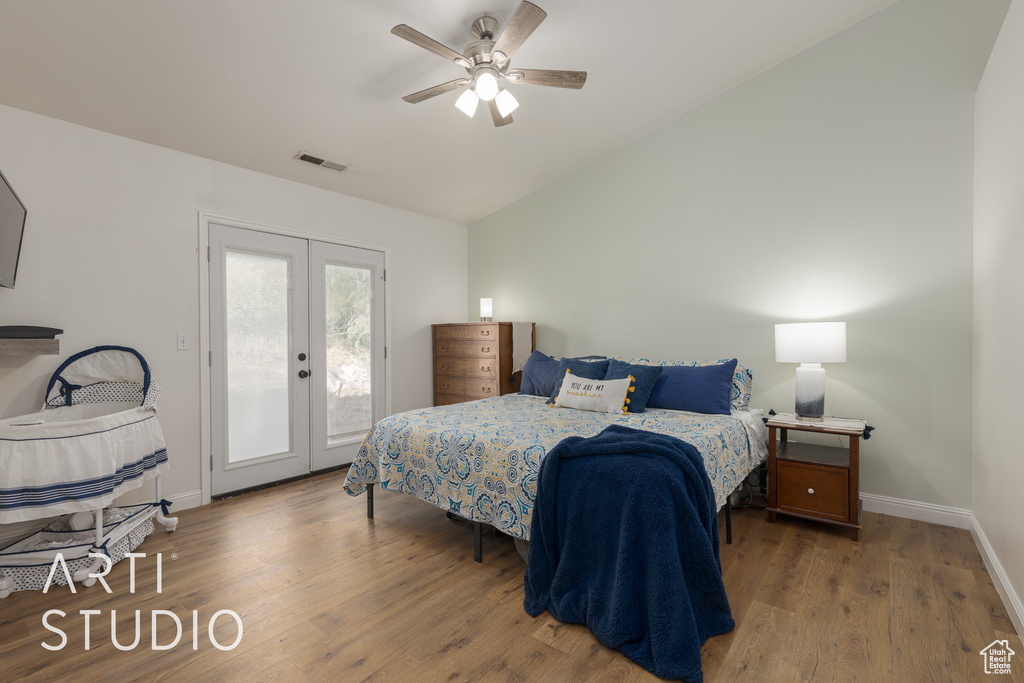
(29, 347)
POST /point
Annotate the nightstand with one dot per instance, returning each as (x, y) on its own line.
(820, 483)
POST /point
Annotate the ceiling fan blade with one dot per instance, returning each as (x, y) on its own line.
(524, 22)
(428, 43)
(549, 77)
(435, 91)
(496, 115)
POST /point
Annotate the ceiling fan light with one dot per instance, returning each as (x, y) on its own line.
(467, 103)
(486, 86)
(506, 103)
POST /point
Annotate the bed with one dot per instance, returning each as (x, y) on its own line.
(480, 460)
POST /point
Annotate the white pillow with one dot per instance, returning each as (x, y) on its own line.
(599, 395)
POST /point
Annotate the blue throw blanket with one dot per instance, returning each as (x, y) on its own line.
(624, 539)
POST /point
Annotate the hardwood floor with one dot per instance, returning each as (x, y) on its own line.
(325, 594)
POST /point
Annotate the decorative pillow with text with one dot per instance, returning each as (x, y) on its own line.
(599, 395)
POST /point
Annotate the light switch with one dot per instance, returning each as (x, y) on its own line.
(183, 342)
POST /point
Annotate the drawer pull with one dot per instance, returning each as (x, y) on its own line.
(485, 349)
(444, 386)
(444, 366)
(443, 348)
(485, 368)
(486, 390)
(485, 333)
(810, 491)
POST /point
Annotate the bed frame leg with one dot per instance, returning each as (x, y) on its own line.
(369, 501)
(728, 522)
(478, 542)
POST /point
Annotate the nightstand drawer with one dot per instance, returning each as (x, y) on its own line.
(812, 490)
(486, 368)
(473, 349)
(486, 332)
(466, 386)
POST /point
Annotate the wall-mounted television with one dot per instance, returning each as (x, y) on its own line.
(12, 226)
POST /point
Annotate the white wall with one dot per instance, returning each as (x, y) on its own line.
(998, 314)
(835, 186)
(110, 255)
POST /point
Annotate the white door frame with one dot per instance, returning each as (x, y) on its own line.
(204, 220)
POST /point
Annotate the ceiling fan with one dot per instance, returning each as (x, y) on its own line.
(488, 60)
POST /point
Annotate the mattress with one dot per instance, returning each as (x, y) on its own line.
(481, 459)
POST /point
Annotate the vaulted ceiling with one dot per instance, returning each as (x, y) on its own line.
(252, 82)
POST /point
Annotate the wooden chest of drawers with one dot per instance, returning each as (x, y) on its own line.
(473, 360)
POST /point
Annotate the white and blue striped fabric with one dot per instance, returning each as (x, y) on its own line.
(80, 456)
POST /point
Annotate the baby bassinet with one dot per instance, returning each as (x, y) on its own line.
(96, 438)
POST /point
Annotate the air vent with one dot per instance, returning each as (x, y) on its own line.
(317, 161)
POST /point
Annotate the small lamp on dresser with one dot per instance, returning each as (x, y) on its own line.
(810, 344)
(486, 309)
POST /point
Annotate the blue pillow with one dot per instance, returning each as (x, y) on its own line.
(644, 378)
(587, 369)
(699, 389)
(540, 375)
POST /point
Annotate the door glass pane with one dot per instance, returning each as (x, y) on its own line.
(349, 404)
(257, 355)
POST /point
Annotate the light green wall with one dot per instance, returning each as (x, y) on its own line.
(998, 314)
(835, 186)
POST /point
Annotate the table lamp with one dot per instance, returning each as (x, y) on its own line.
(486, 309)
(810, 344)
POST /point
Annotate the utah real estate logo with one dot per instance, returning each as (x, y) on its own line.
(997, 657)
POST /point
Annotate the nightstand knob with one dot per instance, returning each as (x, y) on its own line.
(810, 491)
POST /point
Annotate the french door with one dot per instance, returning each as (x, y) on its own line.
(297, 354)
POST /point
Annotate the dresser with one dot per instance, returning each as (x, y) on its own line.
(474, 360)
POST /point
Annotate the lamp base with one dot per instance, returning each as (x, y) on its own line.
(810, 392)
(485, 319)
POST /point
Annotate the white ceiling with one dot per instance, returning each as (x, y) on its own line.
(252, 82)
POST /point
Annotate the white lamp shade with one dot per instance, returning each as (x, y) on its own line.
(467, 103)
(486, 86)
(486, 308)
(506, 103)
(810, 343)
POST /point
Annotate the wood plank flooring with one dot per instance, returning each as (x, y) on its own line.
(325, 594)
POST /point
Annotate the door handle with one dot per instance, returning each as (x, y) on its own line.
(303, 374)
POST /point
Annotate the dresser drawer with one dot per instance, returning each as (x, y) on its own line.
(486, 332)
(486, 368)
(448, 399)
(475, 349)
(466, 386)
(813, 490)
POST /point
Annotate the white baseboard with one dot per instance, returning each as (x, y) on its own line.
(922, 512)
(1011, 600)
(9, 533)
(186, 501)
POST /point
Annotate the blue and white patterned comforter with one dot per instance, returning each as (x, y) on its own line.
(480, 460)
